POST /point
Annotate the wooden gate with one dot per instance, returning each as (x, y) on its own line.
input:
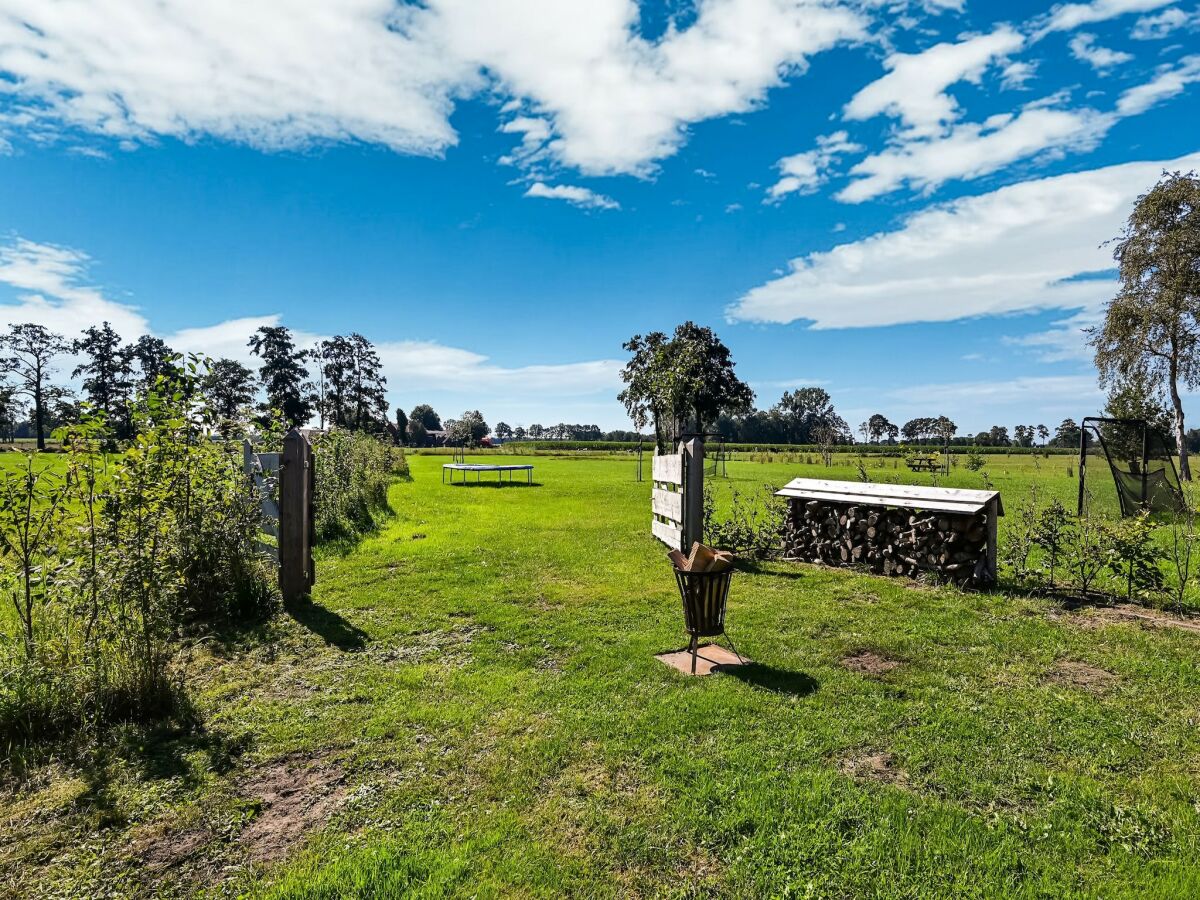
(677, 501)
(291, 476)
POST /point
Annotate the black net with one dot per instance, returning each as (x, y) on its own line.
(1140, 466)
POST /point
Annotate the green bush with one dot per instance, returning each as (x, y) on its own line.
(354, 471)
(115, 560)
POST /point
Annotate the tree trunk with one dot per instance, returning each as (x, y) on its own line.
(1185, 471)
(39, 413)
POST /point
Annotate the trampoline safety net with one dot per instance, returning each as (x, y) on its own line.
(1141, 470)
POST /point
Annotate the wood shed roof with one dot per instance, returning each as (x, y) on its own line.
(905, 496)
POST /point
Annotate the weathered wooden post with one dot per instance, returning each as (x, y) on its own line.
(693, 492)
(296, 572)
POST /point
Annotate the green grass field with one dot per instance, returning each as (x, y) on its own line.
(471, 707)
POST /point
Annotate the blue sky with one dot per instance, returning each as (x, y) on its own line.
(902, 202)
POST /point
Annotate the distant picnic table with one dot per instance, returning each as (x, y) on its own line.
(480, 468)
(924, 463)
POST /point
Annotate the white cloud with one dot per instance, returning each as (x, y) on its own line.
(1066, 339)
(1017, 74)
(1014, 398)
(804, 172)
(1085, 49)
(970, 149)
(271, 73)
(914, 88)
(1044, 129)
(428, 365)
(573, 194)
(1169, 81)
(1022, 247)
(51, 288)
(1068, 16)
(590, 91)
(1154, 28)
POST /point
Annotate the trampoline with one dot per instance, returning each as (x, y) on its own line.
(479, 469)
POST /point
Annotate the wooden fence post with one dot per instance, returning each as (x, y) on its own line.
(296, 574)
(693, 492)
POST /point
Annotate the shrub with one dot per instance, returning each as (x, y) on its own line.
(752, 526)
(974, 461)
(354, 471)
(130, 554)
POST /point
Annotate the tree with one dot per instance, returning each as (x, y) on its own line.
(154, 358)
(107, 372)
(229, 388)
(1067, 434)
(683, 383)
(352, 385)
(424, 414)
(504, 431)
(1023, 435)
(470, 428)
(519, 433)
(536, 431)
(807, 410)
(1043, 434)
(283, 374)
(401, 425)
(1152, 326)
(999, 436)
(29, 351)
(944, 428)
(417, 433)
(879, 427)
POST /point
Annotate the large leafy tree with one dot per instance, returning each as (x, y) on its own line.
(108, 376)
(229, 387)
(283, 375)
(354, 385)
(809, 416)
(1152, 327)
(28, 351)
(682, 383)
(425, 415)
(154, 358)
(878, 428)
(1067, 434)
(470, 428)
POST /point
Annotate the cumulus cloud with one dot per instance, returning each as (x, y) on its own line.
(51, 286)
(1044, 129)
(1170, 80)
(1085, 49)
(914, 88)
(573, 194)
(805, 172)
(588, 90)
(1022, 247)
(1157, 27)
(1069, 16)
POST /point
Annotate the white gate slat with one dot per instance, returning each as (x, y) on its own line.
(668, 469)
(668, 504)
(669, 534)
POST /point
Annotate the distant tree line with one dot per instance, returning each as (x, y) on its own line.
(339, 381)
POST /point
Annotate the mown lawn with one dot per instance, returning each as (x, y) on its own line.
(471, 707)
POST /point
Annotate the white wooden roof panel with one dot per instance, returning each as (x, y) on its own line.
(909, 496)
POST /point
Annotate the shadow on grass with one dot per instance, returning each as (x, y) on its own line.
(756, 567)
(327, 625)
(777, 681)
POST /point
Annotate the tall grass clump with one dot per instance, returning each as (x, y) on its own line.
(354, 471)
(113, 562)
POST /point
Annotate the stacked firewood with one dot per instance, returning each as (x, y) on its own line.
(888, 541)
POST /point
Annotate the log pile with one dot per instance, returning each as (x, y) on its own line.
(952, 547)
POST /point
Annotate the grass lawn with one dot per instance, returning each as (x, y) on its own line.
(471, 707)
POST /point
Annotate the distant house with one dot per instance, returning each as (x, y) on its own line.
(435, 438)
